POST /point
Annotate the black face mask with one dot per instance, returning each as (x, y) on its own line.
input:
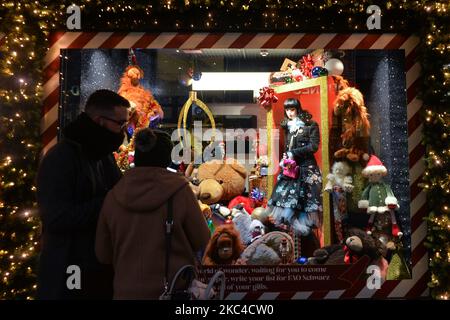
(106, 142)
(96, 140)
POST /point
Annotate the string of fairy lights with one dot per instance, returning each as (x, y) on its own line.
(26, 26)
(435, 92)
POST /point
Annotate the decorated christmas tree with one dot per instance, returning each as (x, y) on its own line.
(20, 69)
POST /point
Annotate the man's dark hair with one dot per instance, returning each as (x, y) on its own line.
(102, 102)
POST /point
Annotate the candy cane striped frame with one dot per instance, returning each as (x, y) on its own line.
(417, 286)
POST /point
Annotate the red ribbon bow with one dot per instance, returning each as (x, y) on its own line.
(349, 257)
(306, 65)
(267, 97)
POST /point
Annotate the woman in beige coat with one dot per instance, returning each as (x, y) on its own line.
(131, 226)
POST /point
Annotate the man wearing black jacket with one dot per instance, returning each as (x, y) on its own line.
(73, 179)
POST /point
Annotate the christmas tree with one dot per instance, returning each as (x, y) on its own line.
(20, 71)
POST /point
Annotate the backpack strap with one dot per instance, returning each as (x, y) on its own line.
(168, 232)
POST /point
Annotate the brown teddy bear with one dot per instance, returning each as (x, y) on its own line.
(357, 245)
(221, 181)
(224, 247)
(191, 173)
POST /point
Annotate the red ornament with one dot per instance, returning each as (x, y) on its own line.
(182, 167)
(297, 75)
(349, 257)
(132, 58)
(246, 202)
(267, 97)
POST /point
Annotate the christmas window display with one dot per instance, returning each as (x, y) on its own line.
(349, 180)
(333, 182)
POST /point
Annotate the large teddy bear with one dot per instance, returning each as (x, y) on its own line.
(221, 180)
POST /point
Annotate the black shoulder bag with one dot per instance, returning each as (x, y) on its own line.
(193, 288)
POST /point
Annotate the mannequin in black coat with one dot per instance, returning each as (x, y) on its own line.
(297, 201)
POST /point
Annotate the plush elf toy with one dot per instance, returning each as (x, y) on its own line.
(378, 198)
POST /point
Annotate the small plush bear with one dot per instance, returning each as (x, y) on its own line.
(357, 244)
(340, 177)
(339, 183)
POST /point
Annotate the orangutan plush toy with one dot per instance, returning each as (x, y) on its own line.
(224, 247)
(349, 104)
(144, 106)
(340, 83)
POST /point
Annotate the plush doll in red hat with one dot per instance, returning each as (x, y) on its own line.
(378, 198)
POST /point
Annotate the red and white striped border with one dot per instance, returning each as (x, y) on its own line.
(417, 286)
